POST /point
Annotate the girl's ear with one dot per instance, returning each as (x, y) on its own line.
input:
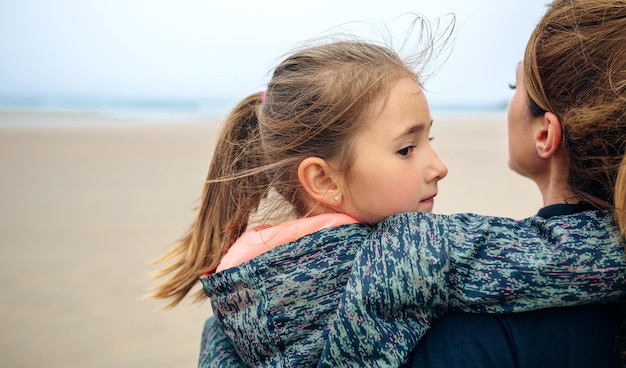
(548, 136)
(319, 180)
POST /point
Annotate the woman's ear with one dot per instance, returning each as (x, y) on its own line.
(319, 180)
(549, 135)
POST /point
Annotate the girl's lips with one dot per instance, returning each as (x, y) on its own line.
(429, 199)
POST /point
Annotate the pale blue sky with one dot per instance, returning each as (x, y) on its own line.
(199, 49)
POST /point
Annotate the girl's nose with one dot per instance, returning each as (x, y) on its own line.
(440, 169)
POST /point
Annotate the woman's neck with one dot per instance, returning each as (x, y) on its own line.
(553, 183)
(551, 197)
(555, 190)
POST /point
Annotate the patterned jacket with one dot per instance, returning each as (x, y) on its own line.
(360, 296)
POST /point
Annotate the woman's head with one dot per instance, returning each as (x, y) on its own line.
(575, 68)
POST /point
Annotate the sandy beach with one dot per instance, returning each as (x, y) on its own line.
(88, 201)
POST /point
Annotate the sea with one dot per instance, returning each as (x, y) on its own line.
(167, 111)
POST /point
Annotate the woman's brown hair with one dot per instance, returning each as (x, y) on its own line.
(575, 67)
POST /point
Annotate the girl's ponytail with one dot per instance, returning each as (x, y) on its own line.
(234, 188)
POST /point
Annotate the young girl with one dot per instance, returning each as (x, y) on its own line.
(341, 136)
(339, 126)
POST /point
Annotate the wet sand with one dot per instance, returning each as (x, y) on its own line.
(88, 204)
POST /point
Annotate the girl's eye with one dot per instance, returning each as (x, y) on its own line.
(512, 86)
(406, 150)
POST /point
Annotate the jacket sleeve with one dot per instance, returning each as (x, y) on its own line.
(414, 267)
(215, 348)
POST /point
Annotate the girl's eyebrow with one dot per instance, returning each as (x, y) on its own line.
(413, 129)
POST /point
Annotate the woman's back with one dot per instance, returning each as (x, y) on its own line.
(572, 337)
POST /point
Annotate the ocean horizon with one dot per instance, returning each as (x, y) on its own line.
(152, 110)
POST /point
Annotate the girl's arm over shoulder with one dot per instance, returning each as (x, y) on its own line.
(504, 265)
(415, 266)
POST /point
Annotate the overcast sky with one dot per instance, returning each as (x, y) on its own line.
(198, 49)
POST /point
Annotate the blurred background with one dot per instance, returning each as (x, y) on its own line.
(199, 56)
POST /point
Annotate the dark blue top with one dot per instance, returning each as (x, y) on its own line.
(583, 336)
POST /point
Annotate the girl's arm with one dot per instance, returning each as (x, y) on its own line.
(416, 266)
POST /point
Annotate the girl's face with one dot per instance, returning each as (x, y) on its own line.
(395, 169)
(522, 154)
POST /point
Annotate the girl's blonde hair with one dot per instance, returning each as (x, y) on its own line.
(575, 67)
(314, 105)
